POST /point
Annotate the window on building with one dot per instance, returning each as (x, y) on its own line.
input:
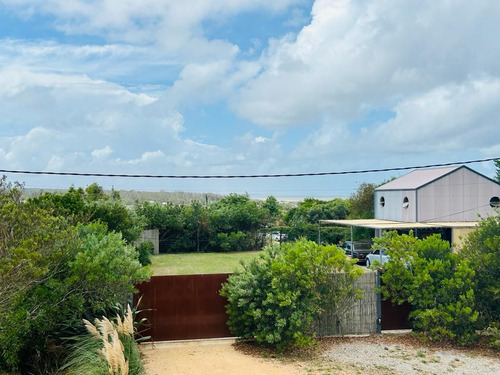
(382, 201)
(495, 202)
(406, 202)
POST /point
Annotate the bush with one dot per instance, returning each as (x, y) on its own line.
(95, 272)
(435, 281)
(145, 250)
(279, 296)
(482, 249)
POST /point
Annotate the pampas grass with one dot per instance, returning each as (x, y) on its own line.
(108, 348)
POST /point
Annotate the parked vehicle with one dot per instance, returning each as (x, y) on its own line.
(278, 236)
(359, 250)
(378, 255)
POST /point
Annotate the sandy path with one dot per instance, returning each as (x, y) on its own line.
(212, 357)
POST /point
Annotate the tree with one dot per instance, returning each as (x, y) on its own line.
(482, 249)
(234, 223)
(302, 221)
(435, 281)
(33, 244)
(273, 208)
(311, 210)
(92, 205)
(361, 206)
(96, 271)
(280, 295)
(53, 273)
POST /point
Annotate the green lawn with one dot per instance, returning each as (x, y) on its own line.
(199, 263)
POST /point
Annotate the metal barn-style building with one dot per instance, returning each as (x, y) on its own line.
(449, 201)
(437, 195)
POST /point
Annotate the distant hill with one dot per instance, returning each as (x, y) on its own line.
(131, 197)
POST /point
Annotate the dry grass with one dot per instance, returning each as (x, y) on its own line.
(112, 349)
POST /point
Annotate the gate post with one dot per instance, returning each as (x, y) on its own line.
(379, 304)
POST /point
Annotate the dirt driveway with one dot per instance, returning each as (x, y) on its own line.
(373, 355)
(211, 357)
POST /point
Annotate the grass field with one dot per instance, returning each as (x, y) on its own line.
(199, 263)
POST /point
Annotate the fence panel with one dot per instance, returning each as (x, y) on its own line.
(359, 316)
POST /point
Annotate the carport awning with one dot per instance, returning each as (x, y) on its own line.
(388, 224)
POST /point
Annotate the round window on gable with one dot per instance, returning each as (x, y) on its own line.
(495, 202)
(382, 201)
(406, 202)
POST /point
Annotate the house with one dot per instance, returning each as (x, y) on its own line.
(448, 201)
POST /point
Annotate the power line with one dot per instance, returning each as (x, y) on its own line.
(243, 176)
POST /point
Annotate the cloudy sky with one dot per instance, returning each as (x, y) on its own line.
(232, 87)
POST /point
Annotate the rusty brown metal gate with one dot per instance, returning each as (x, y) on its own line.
(184, 307)
(395, 316)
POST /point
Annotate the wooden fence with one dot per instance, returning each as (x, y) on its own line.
(357, 315)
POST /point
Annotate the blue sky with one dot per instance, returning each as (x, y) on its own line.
(246, 87)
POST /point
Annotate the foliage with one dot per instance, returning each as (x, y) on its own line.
(482, 249)
(108, 347)
(52, 274)
(311, 210)
(435, 281)
(33, 246)
(329, 235)
(302, 221)
(280, 295)
(145, 250)
(492, 334)
(361, 201)
(232, 223)
(361, 206)
(272, 208)
(93, 205)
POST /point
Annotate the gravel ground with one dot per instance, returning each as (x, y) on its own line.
(387, 354)
(402, 355)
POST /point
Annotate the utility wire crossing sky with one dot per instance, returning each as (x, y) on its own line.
(245, 88)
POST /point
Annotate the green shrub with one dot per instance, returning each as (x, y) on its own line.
(492, 334)
(145, 250)
(436, 282)
(279, 296)
(482, 249)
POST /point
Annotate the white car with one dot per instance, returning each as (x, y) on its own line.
(378, 255)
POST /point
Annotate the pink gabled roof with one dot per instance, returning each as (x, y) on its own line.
(417, 178)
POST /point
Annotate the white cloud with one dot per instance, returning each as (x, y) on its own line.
(174, 25)
(446, 123)
(261, 139)
(357, 56)
(74, 123)
(102, 153)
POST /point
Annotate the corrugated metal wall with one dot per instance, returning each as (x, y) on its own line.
(459, 196)
(393, 207)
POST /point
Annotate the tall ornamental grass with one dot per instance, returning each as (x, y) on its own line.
(108, 347)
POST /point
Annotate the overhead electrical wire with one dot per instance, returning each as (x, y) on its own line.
(243, 176)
